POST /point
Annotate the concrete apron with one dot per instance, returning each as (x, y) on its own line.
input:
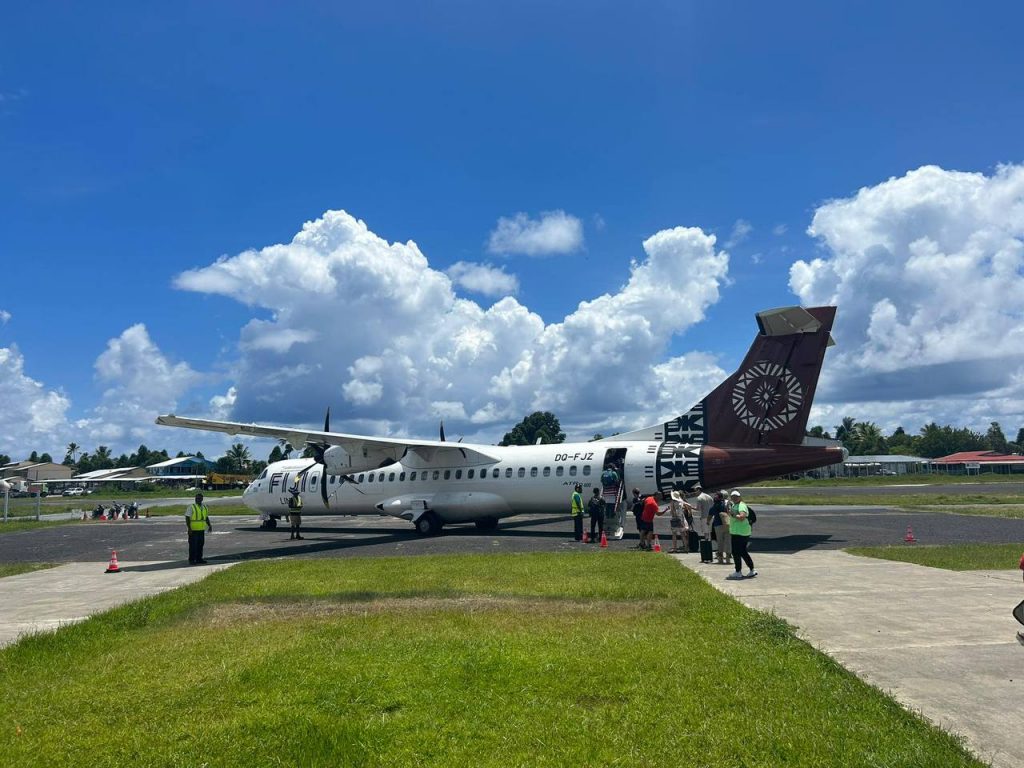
(48, 599)
(942, 643)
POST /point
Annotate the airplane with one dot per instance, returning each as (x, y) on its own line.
(751, 427)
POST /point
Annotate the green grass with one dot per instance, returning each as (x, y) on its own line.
(13, 569)
(1008, 511)
(961, 557)
(888, 499)
(923, 478)
(18, 524)
(528, 660)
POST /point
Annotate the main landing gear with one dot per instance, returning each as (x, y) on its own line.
(428, 524)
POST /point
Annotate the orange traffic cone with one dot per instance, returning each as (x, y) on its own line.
(586, 538)
(657, 546)
(604, 540)
(909, 538)
(113, 568)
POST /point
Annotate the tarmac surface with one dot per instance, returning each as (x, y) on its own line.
(942, 643)
(778, 529)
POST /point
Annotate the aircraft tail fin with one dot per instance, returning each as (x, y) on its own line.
(768, 399)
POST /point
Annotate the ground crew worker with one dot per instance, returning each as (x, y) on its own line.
(577, 512)
(596, 510)
(295, 512)
(197, 521)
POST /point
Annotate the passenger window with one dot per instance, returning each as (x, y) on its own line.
(332, 479)
(447, 474)
(547, 471)
(586, 469)
(358, 479)
(522, 472)
(533, 471)
(559, 470)
(437, 474)
(391, 477)
(401, 478)
(458, 474)
(508, 471)
(412, 476)
(469, 474)
(369, 478)
(496, 473)
(572, 471)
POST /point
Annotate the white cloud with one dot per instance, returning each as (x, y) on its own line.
(928, 273)
(483, 279)
(554, 232)
(141, 383)
(779, 230)
(4, 316)
(396, 349)
(740, 231)
(32, 417)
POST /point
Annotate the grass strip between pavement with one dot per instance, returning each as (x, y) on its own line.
(541, 660)
(959, 557)
(13, 569)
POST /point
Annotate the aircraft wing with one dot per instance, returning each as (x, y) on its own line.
(426, 450)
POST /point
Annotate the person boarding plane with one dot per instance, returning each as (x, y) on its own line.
(751, 427)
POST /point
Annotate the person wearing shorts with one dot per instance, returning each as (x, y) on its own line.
(650, 511)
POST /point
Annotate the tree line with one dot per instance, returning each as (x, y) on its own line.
(860, 438)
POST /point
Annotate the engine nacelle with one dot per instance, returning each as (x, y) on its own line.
(340, 462)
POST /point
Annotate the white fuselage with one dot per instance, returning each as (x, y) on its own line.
(524, 479)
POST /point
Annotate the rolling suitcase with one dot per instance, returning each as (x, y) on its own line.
(706, 555)
(692, 541)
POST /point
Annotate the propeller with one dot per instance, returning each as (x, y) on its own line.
(319, 449)
(442, 430)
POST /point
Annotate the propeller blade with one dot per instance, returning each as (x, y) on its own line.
(442, 431)
(323, 488)
(327, 420)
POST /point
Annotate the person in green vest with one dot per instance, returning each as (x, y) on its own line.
(577, 512)
(295, 512)
(197, 521)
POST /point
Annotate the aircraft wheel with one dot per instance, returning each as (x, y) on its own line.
(486, 523)
(429, 524)
(269, 525)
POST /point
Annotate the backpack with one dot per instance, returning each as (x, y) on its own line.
(751, 515)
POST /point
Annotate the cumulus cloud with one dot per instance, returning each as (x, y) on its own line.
(140, 384)
(554, 232)
(30, 414)
(779, 230)
(4, 316)
(740, 231)
(928, 273)
(483, 279)
(383, 337)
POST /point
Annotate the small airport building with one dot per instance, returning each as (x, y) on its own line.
(978, 462)
(883, 464)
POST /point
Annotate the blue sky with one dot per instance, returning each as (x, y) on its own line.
(142, 143)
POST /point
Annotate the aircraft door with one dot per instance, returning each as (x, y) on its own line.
(613, 490)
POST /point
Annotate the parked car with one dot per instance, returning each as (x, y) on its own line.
(74, 491)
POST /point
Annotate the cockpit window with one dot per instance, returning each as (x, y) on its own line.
(263, 475)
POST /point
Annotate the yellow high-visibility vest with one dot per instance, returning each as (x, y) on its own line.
(197, 521)
(577, 504)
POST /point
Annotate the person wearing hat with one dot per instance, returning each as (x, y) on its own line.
(197, 521)
(678, 522)
(739, 532)
(576, 505)
(295, 512)
(718, 517)
(702, 503)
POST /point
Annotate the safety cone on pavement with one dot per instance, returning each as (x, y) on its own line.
(909, 538)
(604, 540)
(657, 546)
(586, 538)
(113, 568)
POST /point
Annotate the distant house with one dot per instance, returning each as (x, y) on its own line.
(182, 468)
(976, 462)
(37, 471)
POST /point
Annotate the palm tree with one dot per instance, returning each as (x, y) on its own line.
(73, 449)
(238, 455)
